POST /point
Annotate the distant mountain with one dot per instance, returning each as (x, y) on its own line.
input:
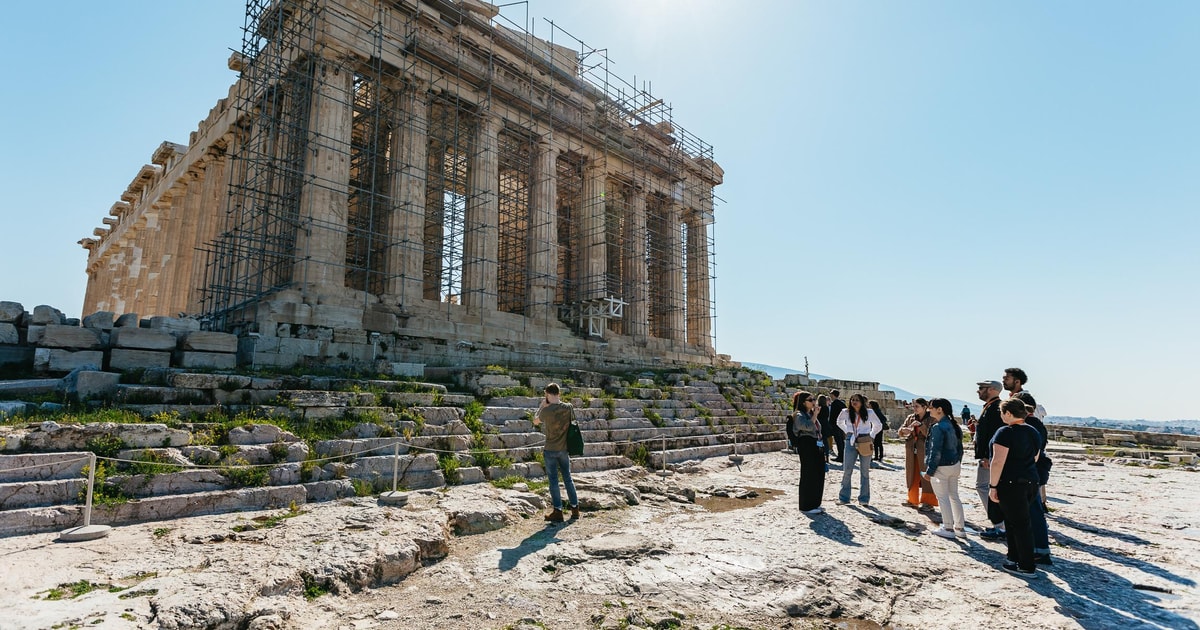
(901, 394)
(1185, 427)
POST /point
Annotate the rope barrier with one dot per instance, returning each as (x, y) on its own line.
(57, 463)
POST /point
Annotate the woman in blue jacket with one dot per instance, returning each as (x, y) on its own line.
(943, 464)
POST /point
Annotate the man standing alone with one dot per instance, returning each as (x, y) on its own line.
(989, 423)
(556, 416)
(835, 407)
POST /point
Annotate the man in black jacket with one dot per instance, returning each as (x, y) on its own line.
(989, 423)
(836, 406)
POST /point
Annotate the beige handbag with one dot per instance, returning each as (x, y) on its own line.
(865, 445)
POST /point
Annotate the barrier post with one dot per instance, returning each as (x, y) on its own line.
(395, 497)
(87, 531)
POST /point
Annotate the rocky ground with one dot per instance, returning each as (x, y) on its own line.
(722, 546)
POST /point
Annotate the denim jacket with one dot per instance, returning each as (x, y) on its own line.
(943, 448)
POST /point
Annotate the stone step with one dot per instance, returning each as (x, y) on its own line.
(42, 466)
(33, 520)
(27, 494)
(705, 452)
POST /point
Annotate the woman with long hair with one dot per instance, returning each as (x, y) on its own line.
(807, 432)
(915, 431)
(826, 425)
(878, 436)
(943, 465)
(1013, 482)
(861, 425)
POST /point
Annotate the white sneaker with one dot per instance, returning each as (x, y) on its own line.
(815, 511)
(960, 533)
(943, 532)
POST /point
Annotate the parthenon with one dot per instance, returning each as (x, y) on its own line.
(423, 182)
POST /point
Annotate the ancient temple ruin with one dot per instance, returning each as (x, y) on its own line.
(423, 182)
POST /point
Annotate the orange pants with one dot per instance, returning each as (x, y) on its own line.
(919, 490)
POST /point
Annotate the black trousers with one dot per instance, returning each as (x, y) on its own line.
(879, 445)
(1015, 497)
(812, 472)
(839, 438)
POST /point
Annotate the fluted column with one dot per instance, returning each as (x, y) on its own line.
(185, 249)
(184, 203)
(406, 229)
(213, 196)
(543, 234)
(699, 292)
(594, 262)
(481, 240)
(152, 254)
(325, 194)
(673, 294)
(637, 312)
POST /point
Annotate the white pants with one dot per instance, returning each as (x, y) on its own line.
(945, 488)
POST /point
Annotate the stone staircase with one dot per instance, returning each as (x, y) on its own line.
(303, 439)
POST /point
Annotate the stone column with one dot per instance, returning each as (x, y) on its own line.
(144, 238)
(325, 194)
(543, 234)
(213, 196)
(406, 229)
(185, 249)
(637, 312)
(699, 292)
(185, 202)
(481, 241)
(153, 255)
(594, 262)
(676, 304)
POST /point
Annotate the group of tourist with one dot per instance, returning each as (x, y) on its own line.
(1009, 445)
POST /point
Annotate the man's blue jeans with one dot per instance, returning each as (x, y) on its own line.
(556, 460)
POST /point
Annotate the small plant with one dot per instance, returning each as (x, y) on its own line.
(362, 487)
(519, 390)
(507, 482)
(242, 475)
(610, 404)
(103, 493)
(312, 588)
(638, 454)
(654, 417)
(105, 445)
(159, 532)
(449, 465)
(72, 590)
(278, 451)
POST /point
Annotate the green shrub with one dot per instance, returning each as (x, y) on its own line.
(362, 487)
(449, 465)
(654, 417)
(242, 475)
(508, 481)
(278, 451)
(638, 454)
(105, 445)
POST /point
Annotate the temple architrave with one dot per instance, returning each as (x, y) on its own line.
(423, 182)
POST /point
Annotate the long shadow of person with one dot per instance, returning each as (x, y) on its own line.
(1099, 531)
(533, 543)
(1118, 558)
(829, 527)
(1095, 598)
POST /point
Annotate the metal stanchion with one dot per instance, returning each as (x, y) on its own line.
(735, 458)
(663, 472)
(87, 531)
(395, 497)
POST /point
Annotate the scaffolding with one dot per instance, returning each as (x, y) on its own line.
(438, 101)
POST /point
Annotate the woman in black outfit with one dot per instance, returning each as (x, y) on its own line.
(807, 430)
(879, 436)
(826, 423)
(1013, 483)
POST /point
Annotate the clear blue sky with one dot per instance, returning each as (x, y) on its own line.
(918, 193)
